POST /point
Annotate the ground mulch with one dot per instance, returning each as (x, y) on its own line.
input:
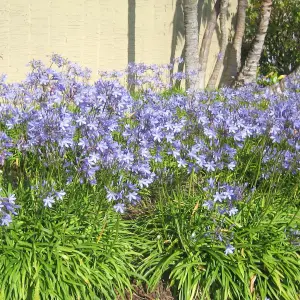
(160, 293)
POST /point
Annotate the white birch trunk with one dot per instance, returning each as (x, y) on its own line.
(191, 44)
(248, 72)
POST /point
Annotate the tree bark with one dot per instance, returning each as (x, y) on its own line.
(248, 72)
(191, 44)
(234, 55)
(206, 42)
(224, 40)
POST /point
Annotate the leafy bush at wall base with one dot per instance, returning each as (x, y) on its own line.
(60, 260)
(205, 272)
(215, 174)
(192, 248)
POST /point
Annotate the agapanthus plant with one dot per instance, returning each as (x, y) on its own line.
(75, 150)
(8, 207)
(96, 126)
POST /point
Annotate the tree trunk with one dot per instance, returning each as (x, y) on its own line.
(206, 42)
(234, 55)
(248, 73)
(191, 44)
(224, 40)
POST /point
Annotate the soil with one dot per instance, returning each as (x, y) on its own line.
(160, 293)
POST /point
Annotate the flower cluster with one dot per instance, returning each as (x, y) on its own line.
(5, 145)
(223, 201)
(93, 128)
(7, 208)
(46, 191)
(142, 76)
(223, 198)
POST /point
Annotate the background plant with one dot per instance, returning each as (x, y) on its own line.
(281, 47)
(203, 193)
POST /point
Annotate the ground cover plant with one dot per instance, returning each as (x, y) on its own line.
(103, 186)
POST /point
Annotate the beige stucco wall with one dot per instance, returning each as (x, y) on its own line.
(95, 33)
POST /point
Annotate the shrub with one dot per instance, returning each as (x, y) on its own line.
(281, 48)
(215, 176)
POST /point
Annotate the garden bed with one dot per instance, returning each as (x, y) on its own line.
(106, 191)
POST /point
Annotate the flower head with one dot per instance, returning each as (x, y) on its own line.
(229, 249)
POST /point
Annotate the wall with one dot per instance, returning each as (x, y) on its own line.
(99, 34)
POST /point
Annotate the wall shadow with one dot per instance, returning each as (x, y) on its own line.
(177, 33)
(230, 53)
(131, 37)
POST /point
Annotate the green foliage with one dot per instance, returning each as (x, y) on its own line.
(80, 249)
(265, 262)
(281, 52)
(198, 268)
(136, 94)
(270, 79)
(58, 260)
(242, 245)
